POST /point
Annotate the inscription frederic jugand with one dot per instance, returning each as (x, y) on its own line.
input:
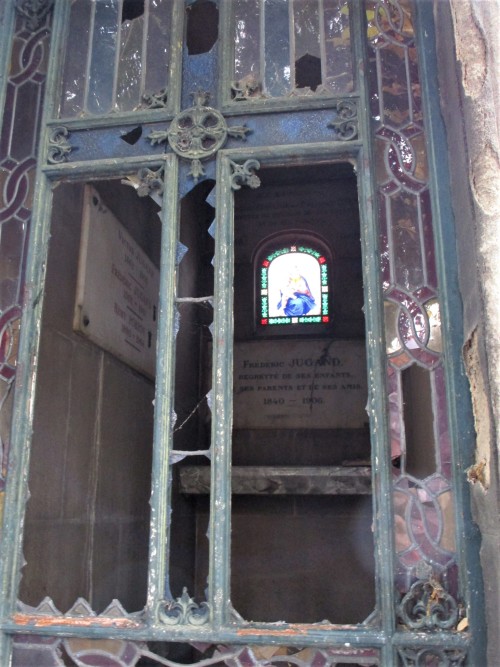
(285, 389)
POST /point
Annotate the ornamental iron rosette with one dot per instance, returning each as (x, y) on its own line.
(197, 133)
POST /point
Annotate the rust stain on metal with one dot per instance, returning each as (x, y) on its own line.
(73, 621)
(289, 630)
(242, 632)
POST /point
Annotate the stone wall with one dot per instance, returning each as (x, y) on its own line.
(470, 100)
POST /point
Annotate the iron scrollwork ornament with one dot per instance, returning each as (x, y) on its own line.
(427, 605)
(150, 182)
(34, 12)
(346, 121)
(244, 174)
(197, 133)
(184, 611)
(420, 657)
(58, 146)
(156, 100)
(247, 88)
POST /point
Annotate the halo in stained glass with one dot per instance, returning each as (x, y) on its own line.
(294, 287)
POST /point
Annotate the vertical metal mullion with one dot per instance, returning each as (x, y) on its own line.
(7, 29)
(58, 40)
(375, 336)
(322, 41)
(262, 43)
(16, 493)
(460, 417)
(89, 58)
(291, 31)
(117, 53)
(144, 53)
(159, 540)
(220, 500)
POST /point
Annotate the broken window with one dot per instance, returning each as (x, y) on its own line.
(90, 481)
(212, 482)
(290, 48)
(117, 57)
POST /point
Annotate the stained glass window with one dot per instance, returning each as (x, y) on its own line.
(294, 287)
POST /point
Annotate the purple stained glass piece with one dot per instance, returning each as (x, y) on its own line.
(437, 484)
(5, 135)
(35, 651)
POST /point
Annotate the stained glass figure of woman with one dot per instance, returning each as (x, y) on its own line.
(296, 297)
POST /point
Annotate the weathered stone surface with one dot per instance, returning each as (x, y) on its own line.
(267, 480)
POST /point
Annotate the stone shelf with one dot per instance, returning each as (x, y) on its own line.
(283, 480)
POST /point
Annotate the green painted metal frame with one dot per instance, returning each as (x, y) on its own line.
(461, 418)
(7, 22)
(221, 628)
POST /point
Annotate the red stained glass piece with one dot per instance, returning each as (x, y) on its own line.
(325, 318)
(266, 263)
(322, 260)
(264, 321)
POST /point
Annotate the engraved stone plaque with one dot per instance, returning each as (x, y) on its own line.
(300, 384)
(117, 289)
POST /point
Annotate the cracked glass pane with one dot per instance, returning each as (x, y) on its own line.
(291, 47)
(120, 49)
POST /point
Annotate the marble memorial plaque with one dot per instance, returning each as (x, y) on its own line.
(117, 289)
(300, 384)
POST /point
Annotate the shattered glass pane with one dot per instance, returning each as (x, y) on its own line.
(291, 47)
(191, 433)
(90, 467)
(121, 54)
(130, 66)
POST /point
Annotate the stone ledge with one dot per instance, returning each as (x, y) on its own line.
(282, 480)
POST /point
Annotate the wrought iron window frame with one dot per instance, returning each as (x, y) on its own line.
(226, 55)
(58, 46)
(385, 637)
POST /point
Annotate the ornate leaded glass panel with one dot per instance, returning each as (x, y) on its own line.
(422, 470)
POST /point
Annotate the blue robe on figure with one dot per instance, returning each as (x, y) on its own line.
(299, 299)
